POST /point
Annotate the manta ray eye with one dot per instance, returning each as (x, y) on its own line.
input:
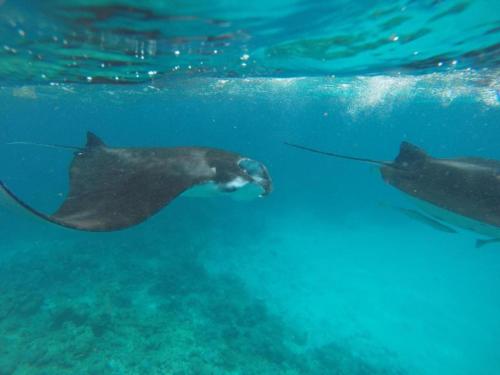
(252, 168)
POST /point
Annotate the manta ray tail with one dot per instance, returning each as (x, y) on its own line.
(48, 145)
(364, 160)
(92, 141)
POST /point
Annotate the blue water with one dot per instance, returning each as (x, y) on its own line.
(321, 276)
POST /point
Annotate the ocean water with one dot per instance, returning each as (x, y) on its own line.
(322, 276)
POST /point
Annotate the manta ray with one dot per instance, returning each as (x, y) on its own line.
(114, 188)
(463, 191)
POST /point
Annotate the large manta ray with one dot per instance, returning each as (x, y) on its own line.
(464, 192)
(116, 188)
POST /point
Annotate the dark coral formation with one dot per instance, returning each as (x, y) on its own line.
(110, 307)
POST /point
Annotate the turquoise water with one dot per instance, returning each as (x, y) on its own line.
(321, 276)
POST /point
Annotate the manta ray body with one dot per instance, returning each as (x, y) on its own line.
(463, 191)
(115, 188)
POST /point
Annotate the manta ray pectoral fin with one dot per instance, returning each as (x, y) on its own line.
(430, 221)
(480, 242)
(9, 200)
(112, 189)
(422, 218)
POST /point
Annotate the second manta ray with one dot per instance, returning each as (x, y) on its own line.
(115, 188)
(464, 192)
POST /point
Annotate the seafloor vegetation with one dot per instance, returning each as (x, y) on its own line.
(128, 305)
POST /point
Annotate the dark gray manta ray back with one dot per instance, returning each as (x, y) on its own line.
(115, 188)
(467, 186)
(462, 191)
